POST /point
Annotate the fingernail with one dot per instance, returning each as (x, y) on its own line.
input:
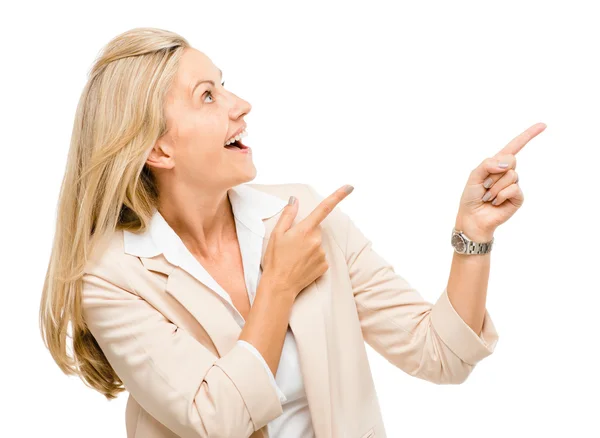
(292, 200)
(503, 165)
(487, 183)
(487, 196)
(348, 188)
(495, 201)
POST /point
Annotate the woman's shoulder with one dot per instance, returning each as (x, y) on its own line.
(108, 260)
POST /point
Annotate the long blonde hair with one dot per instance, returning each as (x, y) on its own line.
(106, 185)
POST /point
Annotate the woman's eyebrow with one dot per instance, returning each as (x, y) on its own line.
(204, 80)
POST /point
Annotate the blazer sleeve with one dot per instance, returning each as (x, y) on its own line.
(428, 341)
(254, 351)
(173, 376)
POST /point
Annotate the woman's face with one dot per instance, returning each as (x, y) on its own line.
(201, 116)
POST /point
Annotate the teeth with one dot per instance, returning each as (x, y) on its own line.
(237, 137)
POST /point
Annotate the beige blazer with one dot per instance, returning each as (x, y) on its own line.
(173, 342)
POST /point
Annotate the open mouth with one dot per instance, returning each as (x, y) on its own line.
(236, 145)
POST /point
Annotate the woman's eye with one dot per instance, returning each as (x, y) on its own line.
(208, 93)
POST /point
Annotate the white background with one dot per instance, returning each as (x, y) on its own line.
(401, 100)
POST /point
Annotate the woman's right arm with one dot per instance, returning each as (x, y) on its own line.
(173, 376)
(269, 314)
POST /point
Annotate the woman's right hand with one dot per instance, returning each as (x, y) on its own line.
(294, 257)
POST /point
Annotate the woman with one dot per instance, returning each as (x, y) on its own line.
(224, 309)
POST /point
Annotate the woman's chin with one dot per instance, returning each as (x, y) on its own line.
(246, 175)
(252, 173)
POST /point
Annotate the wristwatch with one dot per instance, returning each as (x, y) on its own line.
(463, 245)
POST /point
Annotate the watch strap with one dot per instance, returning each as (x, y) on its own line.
(478, 248)
(472, 247)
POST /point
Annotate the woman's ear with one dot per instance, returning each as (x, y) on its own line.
(161, 156)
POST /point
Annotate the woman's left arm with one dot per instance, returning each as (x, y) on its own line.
(489, 199)
(443, 341)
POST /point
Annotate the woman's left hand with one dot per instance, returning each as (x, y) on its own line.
(478, 218)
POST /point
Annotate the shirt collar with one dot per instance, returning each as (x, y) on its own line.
(249, 205)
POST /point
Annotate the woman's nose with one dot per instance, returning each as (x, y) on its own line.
(240, 108)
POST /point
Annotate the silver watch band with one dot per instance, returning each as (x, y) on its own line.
(478, 248)
(463, 245)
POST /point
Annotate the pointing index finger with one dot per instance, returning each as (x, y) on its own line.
(517, 143)
(326, 206)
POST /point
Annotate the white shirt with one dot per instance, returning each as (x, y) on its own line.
(249, 207)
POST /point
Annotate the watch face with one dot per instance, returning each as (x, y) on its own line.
(458, 243)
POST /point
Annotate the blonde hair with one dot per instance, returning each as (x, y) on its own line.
(106, 186)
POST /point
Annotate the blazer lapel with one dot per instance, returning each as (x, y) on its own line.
(203, 303)
(307, 321)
